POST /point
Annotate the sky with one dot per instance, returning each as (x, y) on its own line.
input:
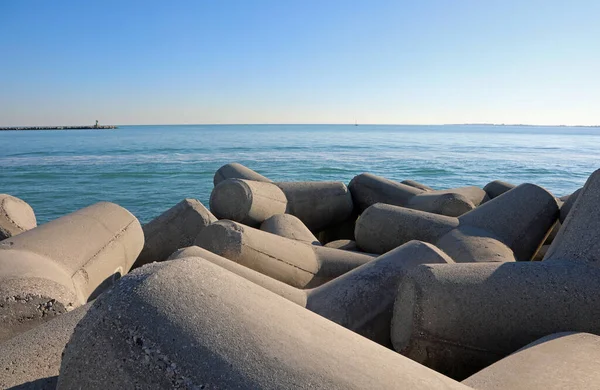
(290, 61)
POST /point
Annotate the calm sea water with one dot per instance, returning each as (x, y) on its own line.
(148, 169)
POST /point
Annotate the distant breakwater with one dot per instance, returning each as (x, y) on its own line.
(59, 128)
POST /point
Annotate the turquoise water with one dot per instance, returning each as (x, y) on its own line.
(147, 169)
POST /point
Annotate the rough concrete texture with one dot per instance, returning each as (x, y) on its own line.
(237, 171)
(248, 202)
(347, 245)
(416, 184)
(289, 226)
(383, 227)
(290, 293)
(16, 216)
(176, 228)
(162, 328)
(317, 204)
(474, 194)
(568, 203)
(469, 244)
(497, 188)
(559, 361)
(293, 262)
(360, 300)
(519, 219)
(368, 189)
(32, 359)
(62, 264)
(459, 319)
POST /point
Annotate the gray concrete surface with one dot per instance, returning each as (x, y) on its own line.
(497, 187)
(237, 171)
(459, 319)
(318, 205)
(568, 360)
(32, 359)
(64, 263)
(16, 216)
(568, 203)
(416, 184)
(289, 226)
(519, 219)
(347, 245)
(293, 262)
(161, 328)
(360, 300)
(248, 202)
(176, 228)
(368, 189)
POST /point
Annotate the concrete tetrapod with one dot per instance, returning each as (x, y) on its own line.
(368, 189)
(62, 264)
(416, 184)
(347, 245)
(16, 216)
(289, 226)
(360, 300)
(31, 360)
(317, 204)
(560, 361)
(497, 187)
(566, 207)
(517, 221)
(293, 262)
(237, 171)
(192, 324)
(175, 228)
(459, 319)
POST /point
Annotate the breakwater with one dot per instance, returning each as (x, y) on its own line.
(303, 275)
(20, 128)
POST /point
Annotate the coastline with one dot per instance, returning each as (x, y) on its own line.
(31, 128)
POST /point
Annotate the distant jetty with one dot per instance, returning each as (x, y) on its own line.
(59, 128)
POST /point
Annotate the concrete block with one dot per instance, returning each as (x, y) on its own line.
(176, 228)
(368, 189)
(568, 203)
(293, 262)
(237, 171)
(317, 204)
(16, 216)
(459, 319)
(497, 188)
(192, 324)
(383, 227)
(559, 361)
(64, 263)
(31, 360)
(347, 245)
(416, 184)
(289, 226)
(248, 202)
(360, 300)
(517, 221)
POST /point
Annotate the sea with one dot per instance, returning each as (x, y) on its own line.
(148, 169)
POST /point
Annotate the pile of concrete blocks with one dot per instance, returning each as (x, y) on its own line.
(377, 284)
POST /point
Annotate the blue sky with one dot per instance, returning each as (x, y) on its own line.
(263, 61)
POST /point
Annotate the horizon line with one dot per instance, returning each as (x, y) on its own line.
(328, 124)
